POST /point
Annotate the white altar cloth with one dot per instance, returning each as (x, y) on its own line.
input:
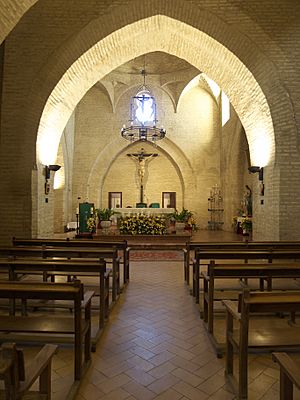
(147, 211)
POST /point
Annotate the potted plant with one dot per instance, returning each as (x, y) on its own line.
(181, 218)
(246, 225)
(104, 215)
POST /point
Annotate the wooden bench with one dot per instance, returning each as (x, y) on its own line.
(242, 273)
(50, 329)
(241, 255)
(289, 375)
(44, 252)
(15, 267)
(17, 381)
(241, 245)
(120, 245)
(267, 338)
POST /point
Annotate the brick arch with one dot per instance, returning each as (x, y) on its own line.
(161, 33)
(65, 72)
(104, 161)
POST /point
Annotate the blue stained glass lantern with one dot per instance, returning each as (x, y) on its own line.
(143, 119)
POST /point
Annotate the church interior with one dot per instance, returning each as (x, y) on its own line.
(150, 107)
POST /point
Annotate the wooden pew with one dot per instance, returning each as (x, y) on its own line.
(17, 381)
(241, 272)
(197, 246)
(69, 253)
(14, 267)
(241, 245)
(242, 255)
(246, 338)
(289, 375)
(104, 243)
(48, 329)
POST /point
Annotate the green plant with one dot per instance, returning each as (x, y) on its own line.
(183, 216)
(246, 224)
(104, 214)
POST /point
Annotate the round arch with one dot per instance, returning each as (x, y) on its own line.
(161, 33)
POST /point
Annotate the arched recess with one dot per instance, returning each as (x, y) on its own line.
(112, 151)
(164, 34)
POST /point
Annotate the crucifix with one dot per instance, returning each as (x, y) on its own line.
(142, 159)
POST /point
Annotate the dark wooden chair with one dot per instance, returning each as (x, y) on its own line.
(17, 380)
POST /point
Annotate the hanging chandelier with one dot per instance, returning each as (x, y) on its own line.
(143, 120)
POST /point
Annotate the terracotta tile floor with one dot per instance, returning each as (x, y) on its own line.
(155, 347)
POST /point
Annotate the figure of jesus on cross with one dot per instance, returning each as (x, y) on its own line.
(142, 159)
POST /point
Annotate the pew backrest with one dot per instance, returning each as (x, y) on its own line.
(12, 371)
(289, 375)
(267, 338)
(79, 328)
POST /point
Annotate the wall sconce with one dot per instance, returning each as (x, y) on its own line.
(49, 168)
(260, 170)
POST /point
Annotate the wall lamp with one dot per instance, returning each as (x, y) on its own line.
(260, 170)
(48, 169)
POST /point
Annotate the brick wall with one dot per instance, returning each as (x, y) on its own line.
(188, 162)
(10, 13)
(51, 36)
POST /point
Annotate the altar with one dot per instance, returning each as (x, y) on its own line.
(128, 212)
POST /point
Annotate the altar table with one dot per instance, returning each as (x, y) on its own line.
(147, 211)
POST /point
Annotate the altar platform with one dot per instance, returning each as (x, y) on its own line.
(200, 235)
(174, 238)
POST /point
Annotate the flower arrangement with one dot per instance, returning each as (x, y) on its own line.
(191, 223)
(246, 224)
(242, 223)
(91, 224)
(141, 224)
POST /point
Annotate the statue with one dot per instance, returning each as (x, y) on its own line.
(142, 159)
(248, 202)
